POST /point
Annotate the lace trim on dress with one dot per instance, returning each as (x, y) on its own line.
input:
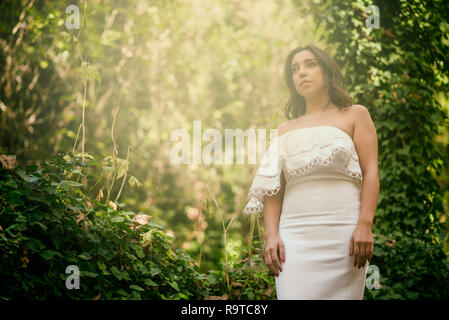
(267, 181)
(315, 154)
(352, 168)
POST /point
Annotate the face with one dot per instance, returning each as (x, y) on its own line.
(305, 67)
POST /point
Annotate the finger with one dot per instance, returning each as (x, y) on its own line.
(276, 262)
(350, 247)
(268, 260)
(282, 251)
(362, 256)
(272, 270)
(272, 267)
(356, 253)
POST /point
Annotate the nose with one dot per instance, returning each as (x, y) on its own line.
(301, 75)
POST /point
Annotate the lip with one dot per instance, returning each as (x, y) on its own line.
(304, 82)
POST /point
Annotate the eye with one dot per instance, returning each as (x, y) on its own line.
(312, 63)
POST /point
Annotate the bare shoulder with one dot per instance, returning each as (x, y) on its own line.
(359, 113)
(283, 127)
(362, 118)
(358, 108)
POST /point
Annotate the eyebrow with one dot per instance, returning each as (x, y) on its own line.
(311, 59)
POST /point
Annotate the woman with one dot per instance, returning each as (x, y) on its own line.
(320, 195)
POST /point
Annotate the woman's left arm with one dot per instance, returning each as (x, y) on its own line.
(365, 141)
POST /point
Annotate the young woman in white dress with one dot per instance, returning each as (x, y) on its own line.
(319, 203)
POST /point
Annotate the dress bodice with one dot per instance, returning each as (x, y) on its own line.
(303, 154)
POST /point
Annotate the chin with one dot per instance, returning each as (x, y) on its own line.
(308, 93)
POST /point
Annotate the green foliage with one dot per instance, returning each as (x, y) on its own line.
(396, 71)
(165, 67)
(249, 277)
(47, 224)
(410, 268)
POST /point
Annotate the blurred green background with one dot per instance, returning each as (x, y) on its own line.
(136, 70)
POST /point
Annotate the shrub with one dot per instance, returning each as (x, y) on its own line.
(249, 279)
(410, 268)
(47, 223)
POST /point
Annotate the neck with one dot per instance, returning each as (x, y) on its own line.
(317, 104)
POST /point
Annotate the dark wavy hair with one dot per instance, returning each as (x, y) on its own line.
(296, 105)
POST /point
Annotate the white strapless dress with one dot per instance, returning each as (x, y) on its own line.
(320, 211)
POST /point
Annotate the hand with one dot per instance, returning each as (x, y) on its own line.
(274, 243)
(361, 245)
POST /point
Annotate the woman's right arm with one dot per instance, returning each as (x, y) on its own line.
(272, 212)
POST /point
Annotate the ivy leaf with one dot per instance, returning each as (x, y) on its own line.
(85, 256)
(71, 183)
(88, 274)
(101, 265)
(27, 178)
(35, 245)
(150, 283)
(154, 271)
(121, 275)
(173, 284)
(137, 288)
(183, 296)
(48, 254)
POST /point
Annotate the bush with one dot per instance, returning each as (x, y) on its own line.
(410, 268)
(47, 223)
(249, 279)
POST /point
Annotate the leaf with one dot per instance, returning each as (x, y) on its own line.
(182, 295)
(48, 254)
(139, 251)
(121, 275)
(122, 292)
(71, 183)
(223, 297)
(110, 169)
(26, 177)
(123, 168)
(89, 72)
(151, 283)
(80, 217)
(44, 227)
(133, 181)
(154, 271)
(137, 288)
(88, 274)
(13, 197)
(85, 256)
(101, 265)
(56, 242)
(116, 272)
(113, 205)
(35, 245)
(173, 284)
(118, 219)
(8, 161)
(11, 183)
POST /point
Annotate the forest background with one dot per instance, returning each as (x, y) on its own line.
(87, 112)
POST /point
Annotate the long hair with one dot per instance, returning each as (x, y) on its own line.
(296, 105)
